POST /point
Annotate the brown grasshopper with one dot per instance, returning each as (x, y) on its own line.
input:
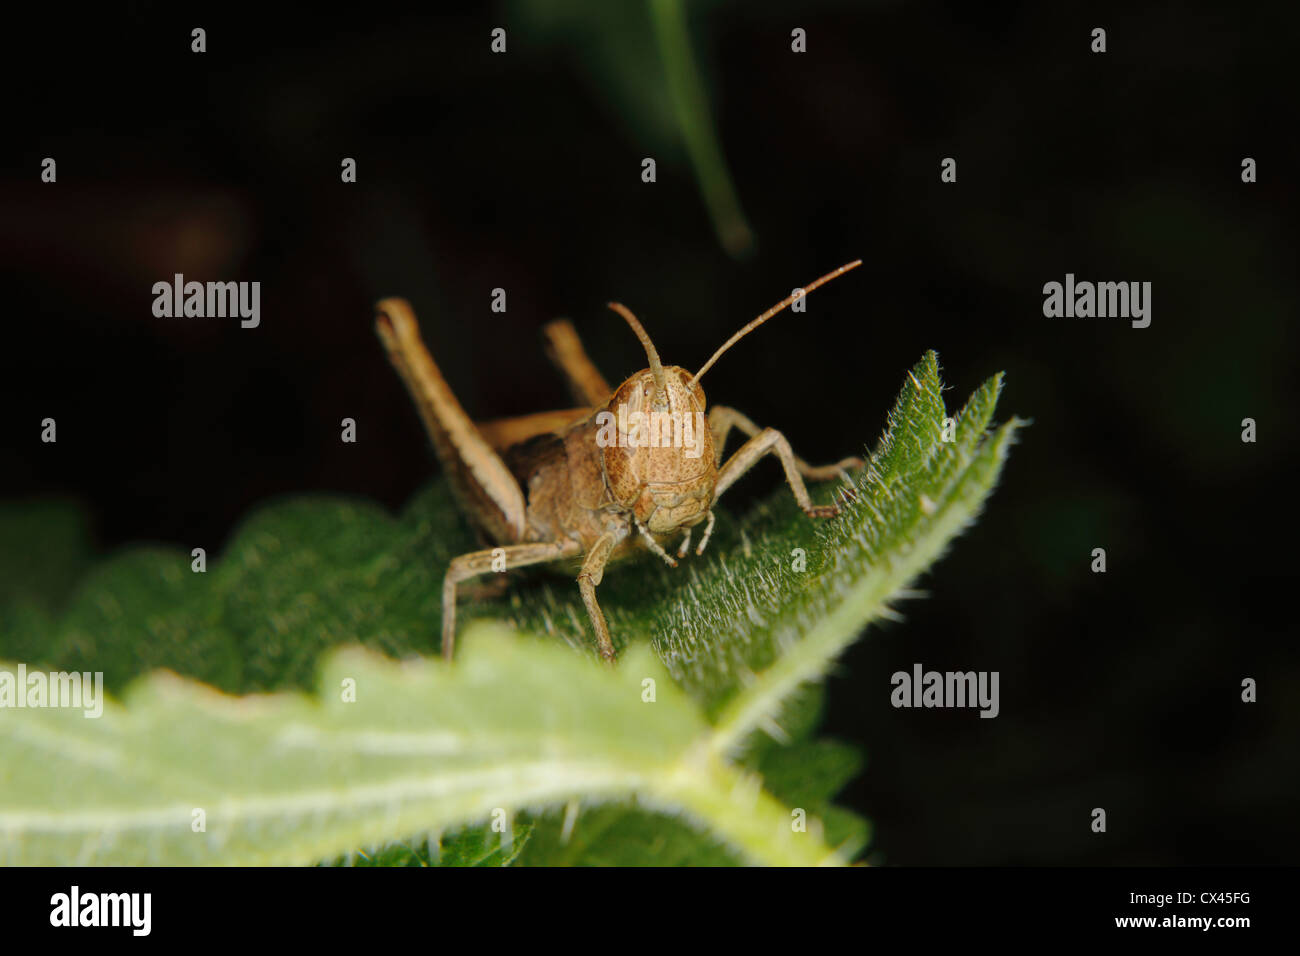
(590, 485)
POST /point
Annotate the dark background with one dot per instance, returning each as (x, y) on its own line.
(523, 171)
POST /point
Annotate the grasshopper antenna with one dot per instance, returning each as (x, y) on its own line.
(750, 327)
(656, 368)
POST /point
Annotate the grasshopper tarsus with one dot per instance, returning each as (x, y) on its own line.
(685, 545)
(561, 485)
(823, 511)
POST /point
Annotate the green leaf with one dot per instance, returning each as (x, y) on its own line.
(58, 550)
(741, 629)
(468, 846)
(44, 548)
(642, 60)
(916, 495)
(425, 746)
(587, 772)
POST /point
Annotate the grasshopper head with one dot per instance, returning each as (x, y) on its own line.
(657, 447)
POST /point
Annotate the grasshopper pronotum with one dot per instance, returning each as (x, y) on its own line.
(592, 484)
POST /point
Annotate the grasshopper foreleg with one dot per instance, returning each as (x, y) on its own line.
(770, 441)
(593, 571)
(481, 562)
(723, 418)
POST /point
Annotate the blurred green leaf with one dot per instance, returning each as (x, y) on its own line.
(641, 58)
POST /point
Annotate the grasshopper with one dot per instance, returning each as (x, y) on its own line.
(593, 484)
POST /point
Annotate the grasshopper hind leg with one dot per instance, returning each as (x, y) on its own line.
(564, 348)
